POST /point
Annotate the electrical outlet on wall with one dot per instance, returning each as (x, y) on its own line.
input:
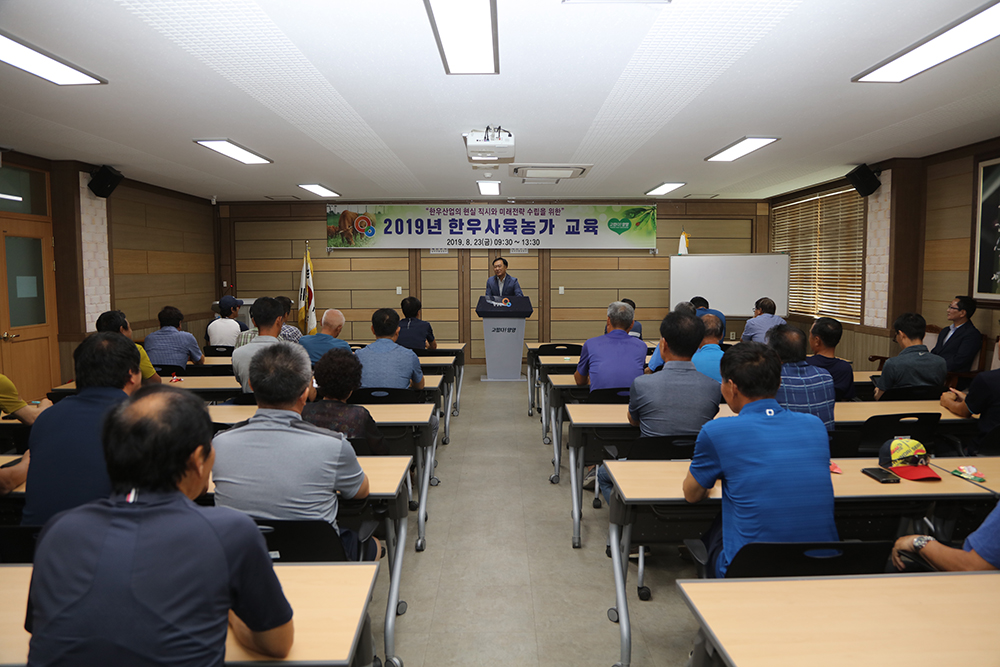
(399, 290)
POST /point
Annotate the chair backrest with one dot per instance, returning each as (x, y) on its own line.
(995, 362)
(609, 395)
(845, 444)
(219, 350)
(913, 394)
(388, 395)
(989, 444)
(17, 543)
(809, 559)
(918, 425)
(660, 448)
(245, 399)
(556, 349)
(301, 541)
(167, 370)
(931, 336)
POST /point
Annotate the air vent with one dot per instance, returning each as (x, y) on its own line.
(282, 197)
(700, 196)
(549, 173)
(539, 181)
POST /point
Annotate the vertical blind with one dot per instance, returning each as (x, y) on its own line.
(824, 238)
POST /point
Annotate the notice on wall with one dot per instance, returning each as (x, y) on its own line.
(485, 226)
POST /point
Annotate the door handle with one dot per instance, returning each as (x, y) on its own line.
(9, 336)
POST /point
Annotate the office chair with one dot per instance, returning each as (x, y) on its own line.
(17, 543)
(551, 350)
(313, 541)
(799, 559)
(877, 429)
(219, 350)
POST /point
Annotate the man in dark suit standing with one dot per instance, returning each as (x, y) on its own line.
(959, 343)
(501, 284)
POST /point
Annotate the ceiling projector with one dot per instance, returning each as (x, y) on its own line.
(490, 144)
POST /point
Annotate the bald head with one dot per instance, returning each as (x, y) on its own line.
(333, 322)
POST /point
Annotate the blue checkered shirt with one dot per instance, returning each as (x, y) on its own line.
(171, 347)
(806, 388)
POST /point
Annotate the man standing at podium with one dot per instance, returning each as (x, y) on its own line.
(501, 284)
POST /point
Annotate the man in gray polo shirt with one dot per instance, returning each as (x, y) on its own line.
(914, 366)
(677, 400)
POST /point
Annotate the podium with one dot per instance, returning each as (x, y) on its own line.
(503, 333)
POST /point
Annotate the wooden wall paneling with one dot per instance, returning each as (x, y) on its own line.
(544, 301)
(905, 235)
(466, 325)
(65, 210)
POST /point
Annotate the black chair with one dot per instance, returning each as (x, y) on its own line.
(383, 395)
(17, 543)
(301, 541)
(245, 399)
(845, 444)
(800, 559)
(913, 394)
(609, 395)
(219, 350)
(168, 370)
(876, 430)
(989, 444)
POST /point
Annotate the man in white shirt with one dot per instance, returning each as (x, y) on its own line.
(224, 330)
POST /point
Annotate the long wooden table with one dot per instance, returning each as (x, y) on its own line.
(329, 602)
(837, 621)
(209, 387)
(659, 483)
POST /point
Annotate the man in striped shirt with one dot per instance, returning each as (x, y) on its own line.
(804, 387)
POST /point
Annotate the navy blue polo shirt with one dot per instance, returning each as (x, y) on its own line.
(414, 334)
(148, 582)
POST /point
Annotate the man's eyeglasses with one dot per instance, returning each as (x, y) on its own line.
(954, 308)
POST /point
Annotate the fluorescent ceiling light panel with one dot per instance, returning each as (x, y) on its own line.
(489, 187)
(967, 33)
(11, 197)
(40, 64)
(664, 189)
(484, 159)
(740, 148)
(466, 35)
(318, 189)
(234, 151)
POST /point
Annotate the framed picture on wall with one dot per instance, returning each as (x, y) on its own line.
(987, 231)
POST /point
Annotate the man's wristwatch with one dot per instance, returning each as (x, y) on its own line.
(921, 541)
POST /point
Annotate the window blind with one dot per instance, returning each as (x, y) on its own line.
(824, 238)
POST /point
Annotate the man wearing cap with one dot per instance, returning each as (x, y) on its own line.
(225, 329)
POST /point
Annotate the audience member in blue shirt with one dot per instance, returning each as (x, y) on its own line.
(414, 333)
(701, 303)
(804, 388)
(386, 364)
(327, 339)
(823, 339)
(709, 355)
(614, 359)
(170, 346)
(763, 321)
(981, 550)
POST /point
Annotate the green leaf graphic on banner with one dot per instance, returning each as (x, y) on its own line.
(619, 226)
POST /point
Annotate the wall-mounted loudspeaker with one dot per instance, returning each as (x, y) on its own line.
(104, 181)
(864, 180)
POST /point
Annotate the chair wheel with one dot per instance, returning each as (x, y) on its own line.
(414, 505)
(394, 661)
(445, 441)
(401, 608)
(376, 661)
(454, 413)
(435, 463)
(435, 481)
(531, 412)
(426, 516)
(645, 593)
(597, 503)
(554, 479)
(547, 440)
(613, 615)
(421, 544)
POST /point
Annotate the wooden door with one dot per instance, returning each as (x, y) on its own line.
(29, 348)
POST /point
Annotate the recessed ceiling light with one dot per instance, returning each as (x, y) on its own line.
(318, 189)
(232, 150)
(483, 159)
(11, 197)
(740, 148)
(489, 187)
(34, 61)
(967, 33)
(664, 189)
(466, 35)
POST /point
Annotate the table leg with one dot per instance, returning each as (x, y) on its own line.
(393, 604)
(531, 387)
(447, 415)
(619, 548)
(556, 420)
(424, 453)
(458, 392)
(576, 490)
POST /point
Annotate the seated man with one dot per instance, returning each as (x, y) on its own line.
(265, 313)
(914, 366)
(288, 332)
(116, 322)
(709, 355)
(318, 344)
(983, 399)
(168, 345)
(701, 303)
(337, 375)
(414, 333)
(67, 467)
(655, 362)
(804, 387)
(15, 475)
(678, 400)
(224, 330)
(316, 464)
(961, 341)
(614, 359)
(12, 403)
(823, 338)
(980, 552)
(774, 464)
(763, 321)
(147, 577)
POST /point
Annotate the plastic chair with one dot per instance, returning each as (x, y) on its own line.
(876, 430)
(989, 444)
(301, 541)
(383, 395)
(245, 399)
(551, 350)
(219, 350)
(845, 444)
(167, 370)
(931, 393)
(609, 395)
(799, 559)
(17, 543)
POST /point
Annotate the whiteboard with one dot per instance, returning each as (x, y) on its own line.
(731, 283)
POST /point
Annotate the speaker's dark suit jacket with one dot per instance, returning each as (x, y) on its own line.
(960, 349)
(510, 287)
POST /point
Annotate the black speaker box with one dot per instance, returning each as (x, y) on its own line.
(104, 181)
(864, 180)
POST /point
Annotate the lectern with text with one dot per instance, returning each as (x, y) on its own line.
(503, 332)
